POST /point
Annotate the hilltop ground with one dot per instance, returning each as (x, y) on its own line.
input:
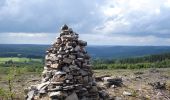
(137, 84)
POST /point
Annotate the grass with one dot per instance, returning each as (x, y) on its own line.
(17, 59)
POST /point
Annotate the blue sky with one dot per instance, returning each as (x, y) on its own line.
(99, 22)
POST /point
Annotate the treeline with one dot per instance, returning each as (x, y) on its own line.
(28, 51)
(16, 54)
(150, 61)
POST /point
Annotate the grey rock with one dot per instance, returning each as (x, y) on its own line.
(60, 73)
(74, 67)
(30, 95)
(83, 72)
(82, 43)
(39, 86)
(73, 96)
(66, 69)
(64, 27)
(67, 60)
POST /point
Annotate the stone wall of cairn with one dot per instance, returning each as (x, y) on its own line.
(67, 72)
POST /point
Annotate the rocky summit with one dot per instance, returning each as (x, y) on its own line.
(67, 72)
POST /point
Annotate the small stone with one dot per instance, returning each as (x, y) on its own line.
(103, 94)
(113, 81)
(113, 86)
(64, 27)
(127, 93)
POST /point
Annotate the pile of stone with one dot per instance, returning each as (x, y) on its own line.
(67, 72)
(114, 82)
(158, 85)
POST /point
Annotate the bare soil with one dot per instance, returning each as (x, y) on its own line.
(136, 82)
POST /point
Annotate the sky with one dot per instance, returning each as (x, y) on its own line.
(99, 22)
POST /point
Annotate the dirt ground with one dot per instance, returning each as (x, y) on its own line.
(137, 84)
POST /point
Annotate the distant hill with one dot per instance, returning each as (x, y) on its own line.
(38, 51)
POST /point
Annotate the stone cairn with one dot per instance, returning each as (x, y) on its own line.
(67, 72)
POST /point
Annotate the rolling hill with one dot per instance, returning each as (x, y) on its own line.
(38, 51)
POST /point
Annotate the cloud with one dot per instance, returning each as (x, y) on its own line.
(103, 39)
(27, 38)
(95, 39)
(120, 21)
(44, 16)
(135, 17)
(30, 35)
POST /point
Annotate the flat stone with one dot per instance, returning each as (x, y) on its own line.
(74, 67)
(57, 83)
(67, 60)
(30, 95)
(72, 56)
(55, 65)
(80, 59)
(86, 79)
(93, 89)
(60, 73)
(83, 73)
(58, 94)
(57, 88)
(39, 86)
(77, 48)
(66, 69)
(69, 76)
(73, 96)
(68, 87)
(82, 43)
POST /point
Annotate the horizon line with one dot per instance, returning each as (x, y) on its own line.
(86, 46)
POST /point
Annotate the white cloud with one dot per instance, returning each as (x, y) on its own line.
(30, 35)
(121, 22)
(167, 3)
(103, 39)
(92, 39)
(133, 16)
(27, 38)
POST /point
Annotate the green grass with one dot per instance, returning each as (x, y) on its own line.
(17, 59)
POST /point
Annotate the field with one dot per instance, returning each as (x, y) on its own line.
(17, 59)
